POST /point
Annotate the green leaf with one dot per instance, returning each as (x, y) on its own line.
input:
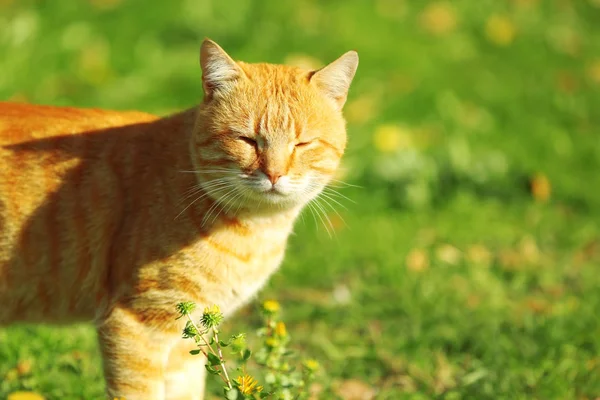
(213, 360)
(261, 356)
(194, 352)
(223, 343)
(231, 394)
(212, 370)
(238, 343)
(246, 355)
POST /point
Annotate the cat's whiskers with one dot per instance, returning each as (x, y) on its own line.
(335, 193)
(327, 221)
(203, 187)
(342, 184)
(226, 202)
(327, 200)
(244, 191)
(202, 195)
(317, 212)
(210, 210)
(328, 196)
(224, 186)
(229, 204)
(217, 204)
(314, 212)
(210, 171)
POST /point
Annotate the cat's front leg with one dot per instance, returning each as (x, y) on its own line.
(185, 373)
(134, 356)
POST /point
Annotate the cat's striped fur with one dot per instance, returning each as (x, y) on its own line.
(115, 217)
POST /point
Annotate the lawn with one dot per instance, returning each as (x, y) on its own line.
(465, 265)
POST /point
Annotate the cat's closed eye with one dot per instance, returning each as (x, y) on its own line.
(249, 140)
(303, 144)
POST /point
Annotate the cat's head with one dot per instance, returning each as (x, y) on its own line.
(269, 136)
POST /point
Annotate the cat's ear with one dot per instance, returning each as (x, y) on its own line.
(334, 79)
(219, 71)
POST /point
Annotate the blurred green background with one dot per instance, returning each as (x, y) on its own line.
(466, 265)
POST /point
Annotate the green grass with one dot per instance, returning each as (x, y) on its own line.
(462, 283)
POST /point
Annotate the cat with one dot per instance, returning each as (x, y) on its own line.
(115, 217)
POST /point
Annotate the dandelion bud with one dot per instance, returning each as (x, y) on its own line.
(185, 307)
(211, 317)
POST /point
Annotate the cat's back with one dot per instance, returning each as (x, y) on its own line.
(41, 145)
(21, 122)
(59, 197)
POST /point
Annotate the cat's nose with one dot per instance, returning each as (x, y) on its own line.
(273, 176)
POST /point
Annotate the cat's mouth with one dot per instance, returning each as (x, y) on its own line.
(274, 191)
(273, 195)
(284, 192)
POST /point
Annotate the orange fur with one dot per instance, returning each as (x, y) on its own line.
(97, 220)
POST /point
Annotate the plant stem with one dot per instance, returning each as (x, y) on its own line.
(199, 334)
(221, 358)
(269, 323)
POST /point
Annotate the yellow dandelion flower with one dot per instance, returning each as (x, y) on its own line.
(311, 365)
(25, 396)
(417, 260)
(247, 384)
(540, 187)
(439, 18)
(389, 138)
(500, 30)
(280, 329)
(214, 309)
(24, 367)
(271, 306)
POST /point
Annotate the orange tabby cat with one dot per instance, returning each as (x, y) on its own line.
(117, 216)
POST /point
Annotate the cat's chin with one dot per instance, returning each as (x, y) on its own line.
(272, 200)
(279, 199)
(274, 197)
